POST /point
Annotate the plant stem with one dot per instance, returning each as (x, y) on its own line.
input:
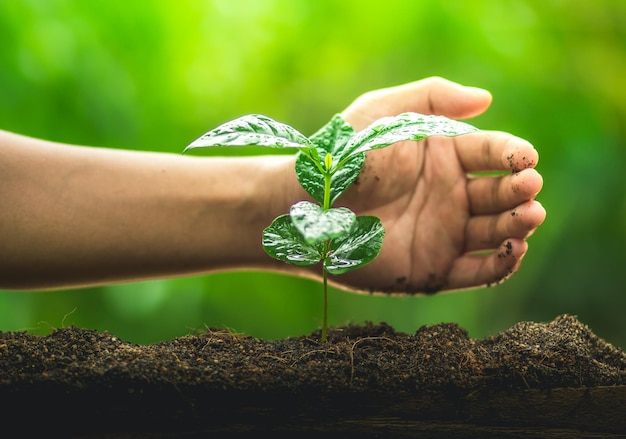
(327, 178)
(325, 321)
(326, 206)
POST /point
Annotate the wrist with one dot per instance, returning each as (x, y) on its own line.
(242, 197)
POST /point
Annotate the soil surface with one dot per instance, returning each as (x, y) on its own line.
(92, 384)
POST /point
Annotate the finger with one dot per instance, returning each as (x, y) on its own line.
(490, 194)
(488, 231)
(494, 151)
(428, 96)
(439, 96)
(472, 271)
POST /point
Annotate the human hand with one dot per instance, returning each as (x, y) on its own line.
(446, 227)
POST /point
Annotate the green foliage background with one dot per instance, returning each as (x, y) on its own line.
(153, 75)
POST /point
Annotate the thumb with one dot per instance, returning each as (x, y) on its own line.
(440, 96)
(433, 95)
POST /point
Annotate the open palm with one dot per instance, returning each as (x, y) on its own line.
(446, 227)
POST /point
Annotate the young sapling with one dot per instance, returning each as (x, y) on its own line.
(327, 163)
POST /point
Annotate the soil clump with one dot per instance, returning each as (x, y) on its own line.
(366, 380)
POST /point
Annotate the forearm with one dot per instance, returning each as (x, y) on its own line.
(76, 216)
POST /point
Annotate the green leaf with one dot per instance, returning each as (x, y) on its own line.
(331, 138)
(313, 181)
(406, 126)
(282, 241)
(253, 129)
(318, 225)
(358, 248)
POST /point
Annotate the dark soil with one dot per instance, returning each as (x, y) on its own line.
(367, 380)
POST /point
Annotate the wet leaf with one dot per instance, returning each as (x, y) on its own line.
(358, 248)
(318, 225)
(331, 138)
(313, 181)
(255, 130)
(282, 241)
(406, 126)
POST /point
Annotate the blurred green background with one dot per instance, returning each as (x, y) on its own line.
(154, 75)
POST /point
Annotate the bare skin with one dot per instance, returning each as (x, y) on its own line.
(77, 216)
(436, 216)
